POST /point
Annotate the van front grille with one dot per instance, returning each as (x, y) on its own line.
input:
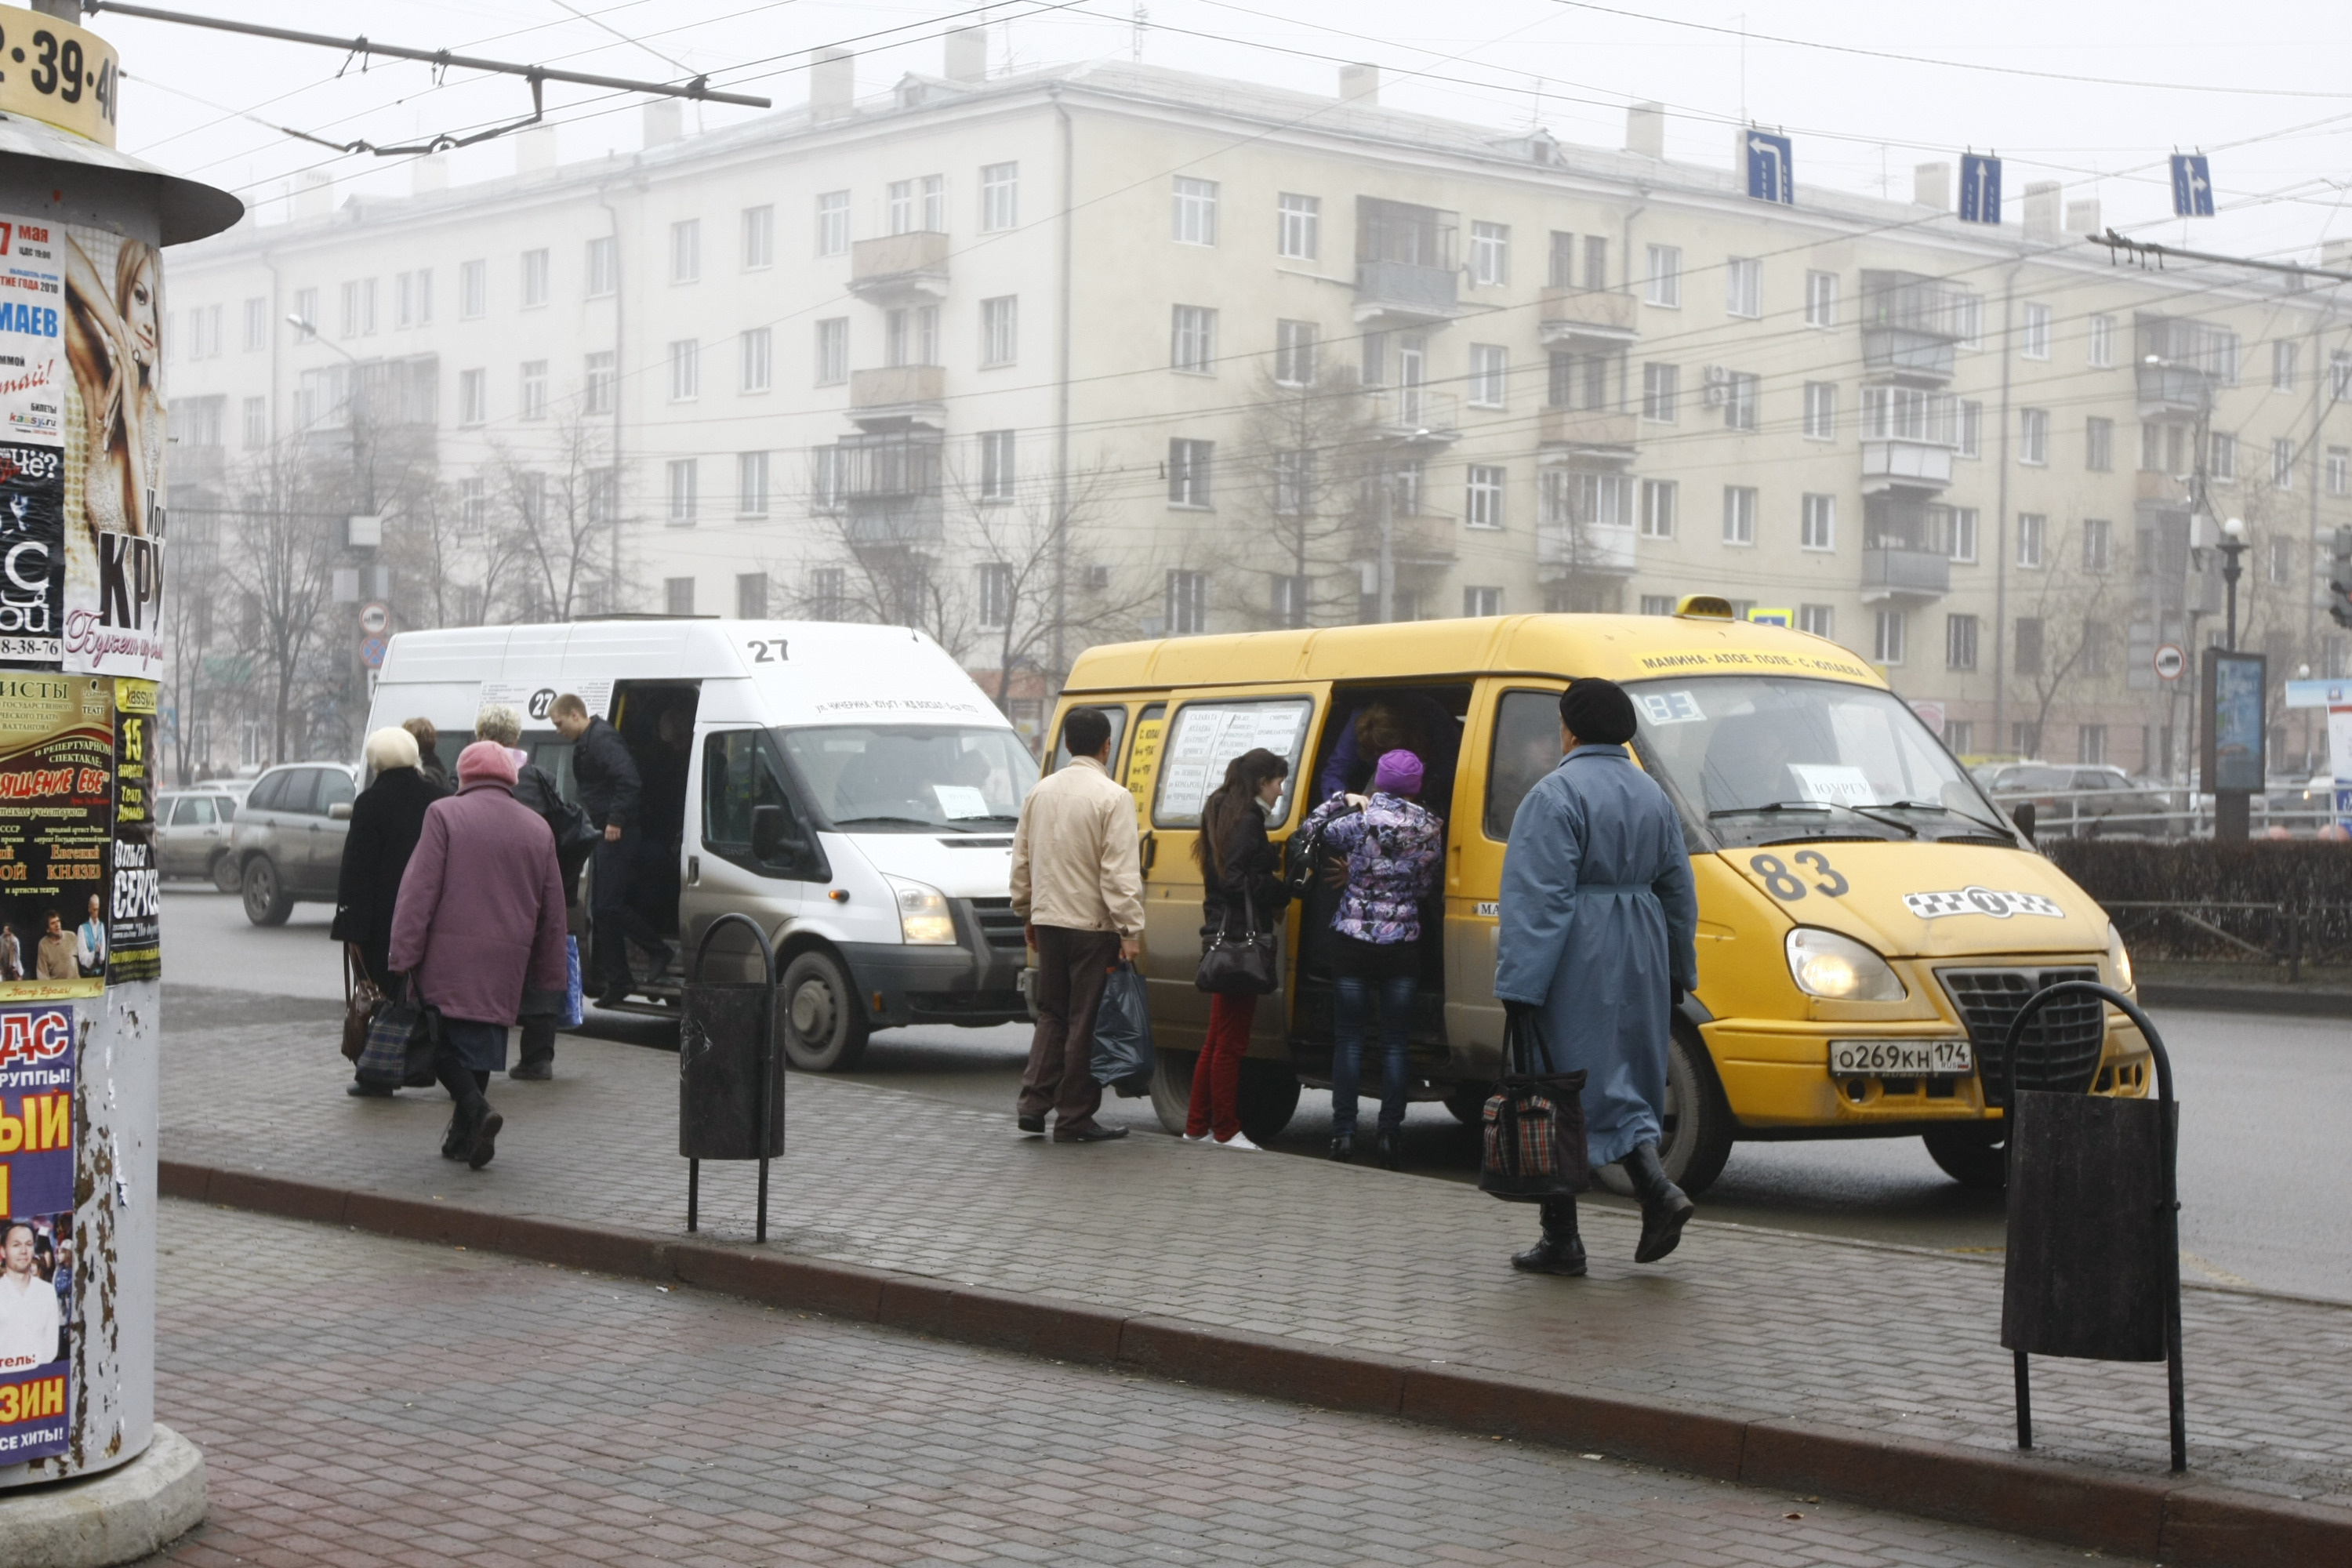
(998, 925)
(2059, 1048)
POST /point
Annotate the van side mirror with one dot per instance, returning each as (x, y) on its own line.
(772, 842)
(2023, 815)
(339, 811)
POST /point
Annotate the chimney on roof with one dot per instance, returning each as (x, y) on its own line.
(314, 195)
(2041, 211)
(1360, 83)
(967, 57)
(428, 175)
(665, 122)
(1931, 186)
(2335, 255)
(534, 150)
(832, 85)
(1645, 130)
(2083, 217)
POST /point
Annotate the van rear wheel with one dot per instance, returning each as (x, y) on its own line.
(1975, 1157)
(1269, 1099)
(1171, 1087)
(824, 1023)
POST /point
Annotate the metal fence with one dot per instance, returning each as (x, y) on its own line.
(2159, 814)
(2298, 936)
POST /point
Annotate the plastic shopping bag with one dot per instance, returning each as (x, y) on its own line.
(1123, 1035)
(575, 1000)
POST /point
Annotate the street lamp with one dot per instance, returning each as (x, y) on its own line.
(2232, 546)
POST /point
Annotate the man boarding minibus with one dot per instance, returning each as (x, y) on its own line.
(1869, 922)
(847, 786)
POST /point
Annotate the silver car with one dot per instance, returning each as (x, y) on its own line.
(191, 837)
(289, 837)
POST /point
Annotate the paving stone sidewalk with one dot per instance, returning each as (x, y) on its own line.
(1752, 1324)
(403, 1403)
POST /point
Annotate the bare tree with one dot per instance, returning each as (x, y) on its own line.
(558, 515)
(277, 556)
(1311, 476)
(2066, 641)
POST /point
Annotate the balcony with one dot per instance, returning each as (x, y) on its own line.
(902, 269)
(1426, 541)
(1569, 550)
(2174, 389)
(1920, 465)
(1586, 317)
(1597, 430)
(1910, 322)
(1403, 294)
(898, 396)
(1413, 415)
(1896, 572)
(885, 491)
(2160, 490)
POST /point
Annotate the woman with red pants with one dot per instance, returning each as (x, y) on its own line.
(1235, 858)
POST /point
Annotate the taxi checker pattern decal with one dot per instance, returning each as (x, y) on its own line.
(1980, 901)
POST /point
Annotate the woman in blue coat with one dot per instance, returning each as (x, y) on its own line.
(1599, 917)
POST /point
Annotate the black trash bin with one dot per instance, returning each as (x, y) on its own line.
(2092, 1269)
(731, 1075)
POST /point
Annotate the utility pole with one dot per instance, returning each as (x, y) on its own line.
(1386, 609)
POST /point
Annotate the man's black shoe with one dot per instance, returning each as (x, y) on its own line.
(358, 1090)
(1031, 1126)
(613, 996)
(1343, 1149)
(1087, 1133)
(1384, 1149)
(532, 1072)
(485, 1138)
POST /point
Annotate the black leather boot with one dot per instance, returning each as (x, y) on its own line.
(1561, 1250)
(1385, 1149)
(1666, 1207)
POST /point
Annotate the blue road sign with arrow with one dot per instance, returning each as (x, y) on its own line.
(1772, 170)
(2192, 185)
(1979, 188)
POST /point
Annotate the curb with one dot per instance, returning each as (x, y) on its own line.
(2175, 1519)
(2273, 999)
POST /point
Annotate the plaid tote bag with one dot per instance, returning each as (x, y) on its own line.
(1534, 1125)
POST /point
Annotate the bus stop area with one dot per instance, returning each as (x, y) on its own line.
(1820, 1366)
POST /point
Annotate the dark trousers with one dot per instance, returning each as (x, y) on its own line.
(1072, 966)
(618, 921)
(538, 1038)
(1353, 1006)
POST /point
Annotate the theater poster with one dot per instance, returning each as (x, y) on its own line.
(56, 832)
(37, 1048)
(114, 440)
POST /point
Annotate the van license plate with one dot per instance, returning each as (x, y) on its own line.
(1902, 1058)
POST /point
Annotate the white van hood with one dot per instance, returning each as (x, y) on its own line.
(976, 867)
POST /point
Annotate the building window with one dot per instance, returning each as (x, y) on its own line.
(1000, 197)
(1299, 227)
(604, 267)
(1817, 530)
(534, 390)
(829, 592)
(1483, 499)
(2034, 341)
(685, 252)
(1959, 737)
(2282, 558)
(996, 470)
(2339, 375)
(917, 205)
(832, 350)
(911, 335)
(1658, 509)
(995, 596)
(1293, 482)
(2103, 341)
(1489, 367)
(1657, 603)
(2339, 470)
(1477, 602)
(1186, 608)
(2091, 744)
(473, 290)
(1960, 642)
(473, 396)
(1661, 390)
(409, 291)
(1189, 464)
(1738, 514)
(2282, 463)
(758, 359)
(1294, 353)
(473, 502)
(2098, 545)
(1738, 400)
(2033, 436)
(596, 391)
(1821, 299)
(1000, 329)
(684, 370)
(257, 325)
(1963, 520)
(2032, 528)
(257, 423)
(759, 253)
(2223, 464)
(1559, 271)
(1665, 284)
(1971, 428)
(1967, 320)
(1195, 211)
(2025, 737)
(751, 596)
(2282, 356)
(1290, 601)
(2098, 445)
(677, 595)
(1887, 646)
(1821, 620)
(1596, 262)
(826, 480)
(752, 484)
(1192, 340)
(1743, 287)
(685, 488)
(1490, 254)
(833, 224)
(1820, 407)
(359, 314)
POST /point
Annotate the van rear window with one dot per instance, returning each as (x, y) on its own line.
(1206, 736)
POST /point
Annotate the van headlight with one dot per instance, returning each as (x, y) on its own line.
(2118, 958)
(924, 919)
(1824, 963)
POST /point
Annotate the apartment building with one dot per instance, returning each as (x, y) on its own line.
(1041, 359)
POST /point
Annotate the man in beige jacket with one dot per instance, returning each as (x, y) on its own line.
(1078, 885)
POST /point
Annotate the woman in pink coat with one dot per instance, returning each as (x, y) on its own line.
(480, 917)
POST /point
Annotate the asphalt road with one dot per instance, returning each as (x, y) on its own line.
(2266, 1194)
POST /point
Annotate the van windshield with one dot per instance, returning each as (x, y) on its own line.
(913, 778)
(1765, 759)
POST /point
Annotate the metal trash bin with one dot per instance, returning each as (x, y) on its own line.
(731, 1074)
(2092, 1269)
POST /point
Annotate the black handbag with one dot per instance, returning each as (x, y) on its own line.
(1534, 1146)
(1244, 965)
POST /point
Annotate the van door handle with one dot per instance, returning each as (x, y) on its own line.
(693, 871)
(1150, 852)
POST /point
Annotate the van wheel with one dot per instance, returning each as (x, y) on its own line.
(224, 873)
(1468, 1103)
(265, 903)
(1269, 1099)
(1975, 1157)
(825, 1026)
(1171, 1087)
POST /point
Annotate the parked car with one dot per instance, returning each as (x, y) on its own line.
(192, 837)
(235, 789)
(289, 837)
(2079, 796)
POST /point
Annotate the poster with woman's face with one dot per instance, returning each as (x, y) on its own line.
(115, 438)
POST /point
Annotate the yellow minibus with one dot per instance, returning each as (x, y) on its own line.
(1869, 922)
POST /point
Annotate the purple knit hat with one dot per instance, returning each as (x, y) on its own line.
(1399, 773)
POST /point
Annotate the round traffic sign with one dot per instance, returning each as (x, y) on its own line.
(371, 652)
(375, 617)
(2170, 661)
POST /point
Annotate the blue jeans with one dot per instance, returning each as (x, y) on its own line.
(1395, 992)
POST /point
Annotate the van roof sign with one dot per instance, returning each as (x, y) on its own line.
(1704, 607)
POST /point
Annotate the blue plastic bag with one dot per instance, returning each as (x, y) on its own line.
(1123, 1035)
(575, 1000)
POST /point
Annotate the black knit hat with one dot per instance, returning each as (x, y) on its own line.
(1596, 710)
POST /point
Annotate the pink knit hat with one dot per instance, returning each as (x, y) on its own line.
(485, 761)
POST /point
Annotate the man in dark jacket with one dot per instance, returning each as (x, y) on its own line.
(385, 821)
(537, 790)
(610, 792)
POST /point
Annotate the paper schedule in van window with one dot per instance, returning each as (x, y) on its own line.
(1208, 736)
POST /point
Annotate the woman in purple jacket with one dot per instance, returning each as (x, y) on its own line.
(480, 917)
